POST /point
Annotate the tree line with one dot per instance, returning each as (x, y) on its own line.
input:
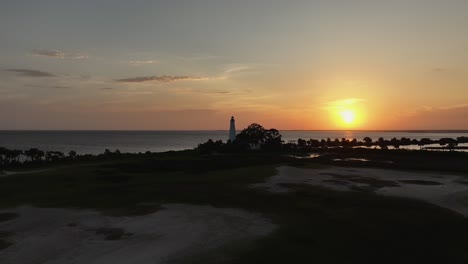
(11, 157)
(449, 143)
(253, 138)
(256, 137)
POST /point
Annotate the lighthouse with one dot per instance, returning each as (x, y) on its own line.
(232, 130)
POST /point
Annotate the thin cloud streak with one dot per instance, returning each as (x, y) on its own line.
(456, 106)
(53, 53)
(237, 68)
(202, 91)
(47, 86)
(142, 62)
(30, 73)
(162, 78)
(48, 53)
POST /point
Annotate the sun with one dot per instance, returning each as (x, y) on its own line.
(347, 113)
(348, 116)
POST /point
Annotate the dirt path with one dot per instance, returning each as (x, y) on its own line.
(77, 236)
(445, 190)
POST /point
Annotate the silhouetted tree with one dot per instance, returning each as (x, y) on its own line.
(34, 154)
(323, 143)
(210, 146)
(3, 154)
(367, 141)
(405, 141)
(382, 143)
(313, 143)
(424, 141)
(395, 143)
(450, 142)
(336, 143)
(253, 134)
(72, 154)
(345, 142)
(256, 135)
(54, 155)
(49, 155)
(301, 143)
(17, 154)
(273, 140)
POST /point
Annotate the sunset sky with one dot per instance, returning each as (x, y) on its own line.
(360, 64)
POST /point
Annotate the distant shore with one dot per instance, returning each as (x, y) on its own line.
(95, 142)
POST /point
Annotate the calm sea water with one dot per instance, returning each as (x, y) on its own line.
(95, 142)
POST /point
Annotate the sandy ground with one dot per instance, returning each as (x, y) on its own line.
(9, 173)
(43, 235)
(445, 190)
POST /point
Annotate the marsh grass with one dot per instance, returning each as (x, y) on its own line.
(314, 224)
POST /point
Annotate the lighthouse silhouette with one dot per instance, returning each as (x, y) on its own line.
(232, 130)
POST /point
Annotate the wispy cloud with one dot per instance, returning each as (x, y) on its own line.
(235, 68)
(53, 53)
(445, 107)
(202, 91)
(162, 78)
(30, 73)
(77, 56)
(49, 53)
(199, 57)
(47, 86)
(455, 106)
(142, 62)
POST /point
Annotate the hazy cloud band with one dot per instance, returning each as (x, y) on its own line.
(30, 73)
(162, 78)
(53, 53)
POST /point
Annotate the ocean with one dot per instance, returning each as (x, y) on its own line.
(95, 142)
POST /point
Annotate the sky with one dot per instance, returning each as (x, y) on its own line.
(192, 64)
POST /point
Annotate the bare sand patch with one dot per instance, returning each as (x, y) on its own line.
(9, 173)
(45, 235)
(445, 190)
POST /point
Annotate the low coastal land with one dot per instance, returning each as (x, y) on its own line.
(353, 206)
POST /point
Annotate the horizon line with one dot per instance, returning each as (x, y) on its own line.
(176, 130)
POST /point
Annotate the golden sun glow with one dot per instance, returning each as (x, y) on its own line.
(349, 113)
(348, 116)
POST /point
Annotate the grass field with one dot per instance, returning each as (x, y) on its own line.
(315, 224)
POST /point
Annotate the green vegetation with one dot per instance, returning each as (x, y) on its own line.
(128, 181)
(4, 242)
(315, 224)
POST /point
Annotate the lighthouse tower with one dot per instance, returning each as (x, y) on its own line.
(232, 130)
